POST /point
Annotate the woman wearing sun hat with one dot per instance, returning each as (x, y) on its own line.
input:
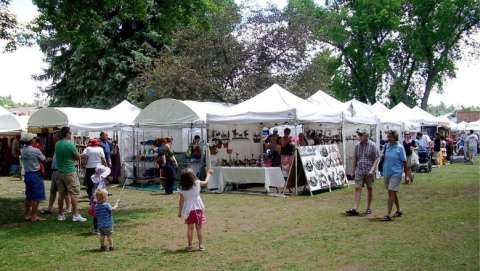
(94, 156)
(34, 186)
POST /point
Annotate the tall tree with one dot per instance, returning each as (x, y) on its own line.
(400, 49)
(232, 61)
(95, 49)
(8, 26)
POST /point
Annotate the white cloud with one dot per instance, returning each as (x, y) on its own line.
(17, 68)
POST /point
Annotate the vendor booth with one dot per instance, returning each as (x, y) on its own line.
(11, 126)
(181, 120)
(85, 123)
(241, 143)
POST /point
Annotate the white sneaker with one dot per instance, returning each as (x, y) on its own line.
(61, 218)
(78, 218)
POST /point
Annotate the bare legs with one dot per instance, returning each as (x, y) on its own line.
(392, 199)
(67, 198)
(51, 201)
(190, 228)
(28, 210)
(358, 195)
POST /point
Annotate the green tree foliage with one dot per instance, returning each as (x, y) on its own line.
(7, 102)
(8, 26)
(400, 49)
(95, 49)
(235, 59)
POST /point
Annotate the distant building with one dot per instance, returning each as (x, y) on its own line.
(468, 116)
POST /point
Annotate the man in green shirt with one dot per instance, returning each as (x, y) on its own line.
(67, 181)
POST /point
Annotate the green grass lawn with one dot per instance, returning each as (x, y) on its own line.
(440, 231)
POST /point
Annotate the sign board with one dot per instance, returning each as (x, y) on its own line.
(319, 167)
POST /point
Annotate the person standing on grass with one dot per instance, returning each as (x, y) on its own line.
(67, 181)
(103, 214)
(107, 148)
(171, 166)
(394, 164)
(34, 186)
(364, 167)
(412, 158)
(94, 156)
(472, 141)
(54, 190)
(191, 207)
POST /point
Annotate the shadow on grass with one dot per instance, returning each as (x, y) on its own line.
(12, 223)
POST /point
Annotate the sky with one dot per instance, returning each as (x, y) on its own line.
(16, 69)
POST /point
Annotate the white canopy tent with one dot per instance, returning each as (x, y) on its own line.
(427, 118)
(401, 115)
(329, 104)
(273, 105)
(177, 113)
(473, 125)
(9, 123)
(462, 126)
(379, 109)
(360, 113)
(125, 113)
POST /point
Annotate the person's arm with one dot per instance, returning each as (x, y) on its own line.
(205, 182)
(40, 156)
(375, 163)
(116, 205)
(180, 205)
(102, 157)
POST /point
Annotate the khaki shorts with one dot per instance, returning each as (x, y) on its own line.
(362, 181)
(53, 185)
(392, 183)
(68, 183)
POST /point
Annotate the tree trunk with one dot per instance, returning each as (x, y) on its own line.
(426, 94)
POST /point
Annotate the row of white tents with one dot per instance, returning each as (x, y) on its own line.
(273, 105)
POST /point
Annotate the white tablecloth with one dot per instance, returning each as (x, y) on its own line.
(270, 176)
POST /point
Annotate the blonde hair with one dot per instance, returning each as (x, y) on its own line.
(101, 195)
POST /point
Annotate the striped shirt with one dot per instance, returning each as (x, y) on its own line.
(365, 154)
(103, 213)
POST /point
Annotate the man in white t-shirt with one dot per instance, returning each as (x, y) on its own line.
(471, 143)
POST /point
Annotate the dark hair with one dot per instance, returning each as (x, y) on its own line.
(187, 179)
(102, 134)
(471, 131)
(64, 131)
(196, 137)
(287, 131)
(394, 134)
(168, 140)
(419, 134)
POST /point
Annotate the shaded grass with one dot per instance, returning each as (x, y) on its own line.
(440, 231)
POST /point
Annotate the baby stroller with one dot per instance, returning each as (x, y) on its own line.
(424, 161)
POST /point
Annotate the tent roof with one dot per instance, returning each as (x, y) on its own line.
(79, 118)
(172, 112)
(473, 126)
(427, 118)
(125, 113)
(360, 112)
(275, 104)
(379, 108)
(322, 98)
(400, 115)
(9, 122)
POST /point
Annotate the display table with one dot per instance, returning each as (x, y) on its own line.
(270, 176)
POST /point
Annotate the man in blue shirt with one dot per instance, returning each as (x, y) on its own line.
(107, 148)
(394, 165)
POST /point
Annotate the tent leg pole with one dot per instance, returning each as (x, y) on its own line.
(344, 147)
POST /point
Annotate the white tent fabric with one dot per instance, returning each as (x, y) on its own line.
(462, 126)
(76, 118)
(378, 108)
(323, 98)
(176, 113)
(427, 118)
(403, 115)
(10, 123)
(124, 113)
(473, 125)
(275, 104)
(360, 113)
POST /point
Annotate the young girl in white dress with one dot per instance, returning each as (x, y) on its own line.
(191, 207)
